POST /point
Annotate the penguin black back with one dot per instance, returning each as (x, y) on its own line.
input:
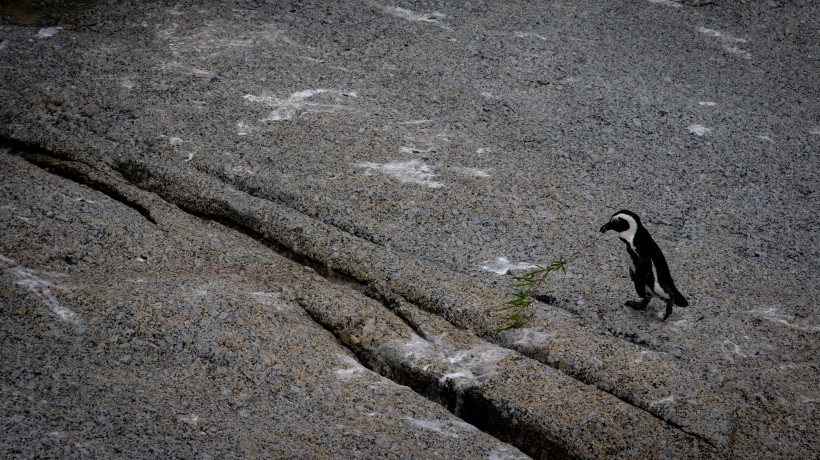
(648, 268)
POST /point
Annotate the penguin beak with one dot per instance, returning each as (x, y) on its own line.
(606, 227)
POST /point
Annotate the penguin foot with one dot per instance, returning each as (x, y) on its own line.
(638, 305)
(669, 304)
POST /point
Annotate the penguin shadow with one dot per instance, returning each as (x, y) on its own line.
(563, 304)
(635, 317)
(547, 299)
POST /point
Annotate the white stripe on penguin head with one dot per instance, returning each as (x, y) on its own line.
(629, 234)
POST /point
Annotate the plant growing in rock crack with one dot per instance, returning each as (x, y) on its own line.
(517, 310)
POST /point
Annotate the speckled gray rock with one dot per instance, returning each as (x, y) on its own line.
(122, 338)
(422, 150)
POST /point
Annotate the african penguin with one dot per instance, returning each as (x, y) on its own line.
(647, 266)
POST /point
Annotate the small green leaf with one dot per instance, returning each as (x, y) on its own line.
(518, 307)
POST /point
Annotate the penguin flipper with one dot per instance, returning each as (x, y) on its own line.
(640, 275)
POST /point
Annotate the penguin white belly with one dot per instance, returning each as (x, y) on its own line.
(657, 290)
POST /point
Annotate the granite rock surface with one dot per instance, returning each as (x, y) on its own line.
(285, 228)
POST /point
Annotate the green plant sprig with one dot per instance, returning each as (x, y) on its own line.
(517, 310)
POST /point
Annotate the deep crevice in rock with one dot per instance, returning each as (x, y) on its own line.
(285, 199)
(464, 403)
(72, 170)
(467, 404)
(668, 422)
(332, 276)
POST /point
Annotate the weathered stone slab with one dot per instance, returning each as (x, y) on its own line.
(418, 154)
(122, 338)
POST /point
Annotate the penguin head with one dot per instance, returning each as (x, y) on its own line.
(626, 223)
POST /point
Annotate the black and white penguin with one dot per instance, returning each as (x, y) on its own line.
(647, 266)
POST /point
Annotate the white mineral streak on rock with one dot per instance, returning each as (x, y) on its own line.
(47, 32)
(471, 172)
(502, 265)
(448, 428)
(728, 42)
(299, 102)
(27, 278)
(411, 172)
(434, 18)
(700, 130)
(354, 368)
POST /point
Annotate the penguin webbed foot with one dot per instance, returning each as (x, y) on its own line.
(669, 304)
(638, 305)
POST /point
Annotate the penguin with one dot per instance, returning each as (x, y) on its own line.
(647, 265)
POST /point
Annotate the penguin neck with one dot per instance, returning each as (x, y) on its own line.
(628, 235)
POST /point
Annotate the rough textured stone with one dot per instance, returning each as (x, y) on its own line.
(412, 152)
(178, 339)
